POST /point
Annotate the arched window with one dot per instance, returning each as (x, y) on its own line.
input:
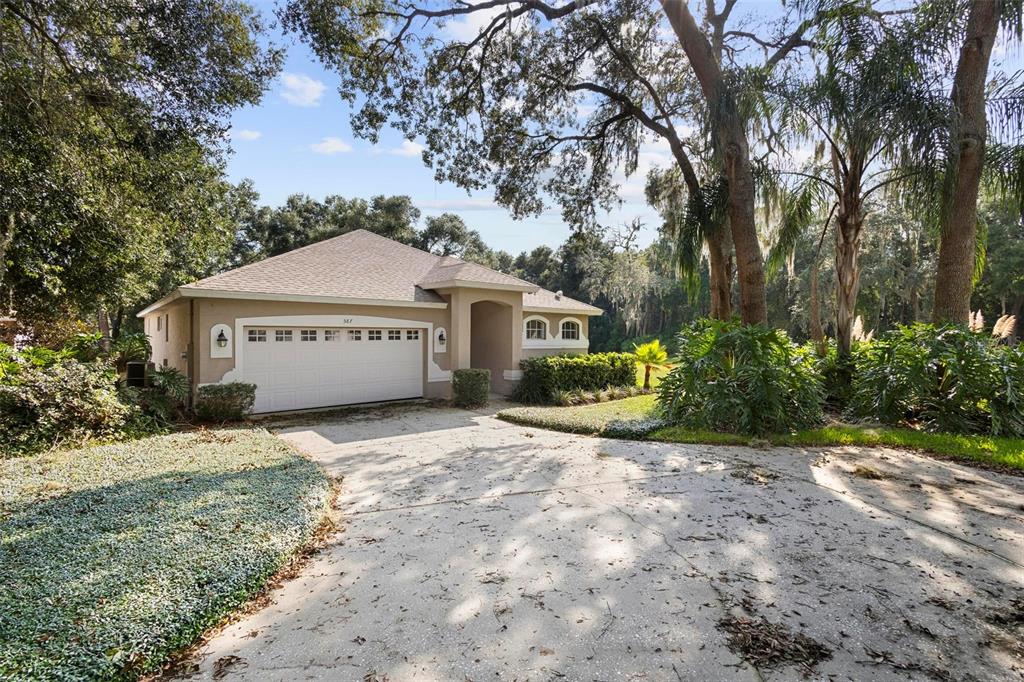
(571, 330)
(536, 329)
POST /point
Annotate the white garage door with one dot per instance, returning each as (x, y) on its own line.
(299, 367)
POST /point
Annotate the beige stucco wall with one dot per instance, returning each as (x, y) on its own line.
(462, 300)
(493, 339)
(170, 342)
(554, 321)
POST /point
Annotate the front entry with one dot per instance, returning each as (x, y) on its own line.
(302, 367)
(491, 341)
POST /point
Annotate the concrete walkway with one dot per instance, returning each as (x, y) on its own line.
(473, 549)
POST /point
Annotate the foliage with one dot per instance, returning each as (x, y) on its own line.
(651, 355)
(947, 378)
(224, 402)
(638, 418)
(114, 557)
(579, 397)
(471, 387)
(741, 379)
(111, 148)
(163, 400)
(544, 376)
(66, 403)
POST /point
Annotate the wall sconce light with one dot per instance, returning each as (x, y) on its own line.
(440, 338)
(222, 340)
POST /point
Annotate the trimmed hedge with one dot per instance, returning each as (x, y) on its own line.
(545, 378)
(224, 402)
(471, 387)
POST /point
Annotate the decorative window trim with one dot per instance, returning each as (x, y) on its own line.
(555, 340)
(394, 335)
(355, 334)
(374, 335)
(257, 336)
(577, 330)
(308, 335)
(412, 334)
(283, 335)
(542, 321)
(332, 335)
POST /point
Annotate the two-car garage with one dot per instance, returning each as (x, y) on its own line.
(307, 366)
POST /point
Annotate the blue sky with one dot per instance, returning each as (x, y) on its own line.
(298, 140)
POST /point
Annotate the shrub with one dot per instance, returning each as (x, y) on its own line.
(224, 402)
(471, 387)
(67, 403)
(632, 429)
(739, 378)
(947, 378)
(544, 377)
(162, 403)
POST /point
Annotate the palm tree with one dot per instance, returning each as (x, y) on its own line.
(651, 355)
(856, 108)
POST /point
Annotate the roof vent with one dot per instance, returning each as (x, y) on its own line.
(558, 294)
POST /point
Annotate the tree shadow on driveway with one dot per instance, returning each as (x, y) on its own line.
(502, 552)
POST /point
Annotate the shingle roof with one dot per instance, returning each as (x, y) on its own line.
(357, 264)
(449, 269)
(364, 265)
(543, 298)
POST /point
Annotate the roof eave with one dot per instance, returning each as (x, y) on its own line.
(589, 310)
(467, 284)
(197, 292)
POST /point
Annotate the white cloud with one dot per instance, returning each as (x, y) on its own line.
(331, 145)
(408, 148)
(301, 90)
(468, 27)
(246, 134)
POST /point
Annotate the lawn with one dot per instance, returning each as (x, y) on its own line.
(112, 557)
(594, 419)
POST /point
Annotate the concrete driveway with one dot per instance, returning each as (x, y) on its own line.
(472, 549)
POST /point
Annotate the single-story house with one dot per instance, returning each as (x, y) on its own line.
(359, 318)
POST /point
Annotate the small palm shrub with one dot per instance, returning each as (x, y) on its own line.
(471, 387)
(738, 378)
(651, 355)
(946, 378)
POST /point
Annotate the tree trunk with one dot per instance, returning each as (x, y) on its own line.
(730, 142)
(953, 283)
(647, 377)
(5, 243)
(720, 276)
(848, 229)
(814, 322)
